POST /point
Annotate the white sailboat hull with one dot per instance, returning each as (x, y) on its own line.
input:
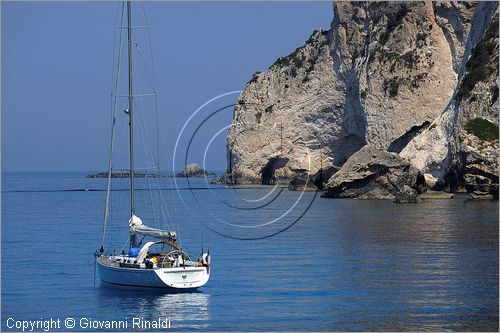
(169, 278)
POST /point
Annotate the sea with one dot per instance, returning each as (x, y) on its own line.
(281, 260)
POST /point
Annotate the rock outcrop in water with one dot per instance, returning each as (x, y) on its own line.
(402, 78)
(194, 170)
(407, 195)
(372, 173)
(122, 173)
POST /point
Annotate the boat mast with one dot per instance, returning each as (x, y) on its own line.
(133, 241)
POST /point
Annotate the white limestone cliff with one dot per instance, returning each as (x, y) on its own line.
(385, 74)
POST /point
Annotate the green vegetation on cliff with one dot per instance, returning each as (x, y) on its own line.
(483, 61)
(482, 128)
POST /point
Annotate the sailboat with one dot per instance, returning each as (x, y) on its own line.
(160, 262)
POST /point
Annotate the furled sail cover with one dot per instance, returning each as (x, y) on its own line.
(137, 227)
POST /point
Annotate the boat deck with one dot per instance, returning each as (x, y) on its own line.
(163, 261)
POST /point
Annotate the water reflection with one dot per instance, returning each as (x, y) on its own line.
(425, 267)
(348, 265)
(184, 309)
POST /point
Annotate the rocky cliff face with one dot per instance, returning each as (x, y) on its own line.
(384, 75)
(475, 162)
(458, 139)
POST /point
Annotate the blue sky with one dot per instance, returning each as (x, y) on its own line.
(57, 60)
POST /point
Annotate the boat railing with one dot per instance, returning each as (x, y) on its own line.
(163, 261)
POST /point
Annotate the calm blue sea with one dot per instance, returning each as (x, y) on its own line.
(336, 265)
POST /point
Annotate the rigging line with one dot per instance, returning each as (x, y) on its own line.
(164, 208)
(148, 74)
(111, 207)
(142, 202)
(119, 140)
(157, 132)
(147, 207)
(174, 223)
(120, 200)
(150, 151)
(148, 37)
(153, 194)
(131, 115)
(132, 27)
(143, 124)
(169, 223)
(145, 65)
(152, 202)
(123, 247)
(111, 148)
(148, 42)
(106, 210)
(166, 217)
(135, 95)
(163, 204)
(139, 196)
(114, 49)
(172, 198)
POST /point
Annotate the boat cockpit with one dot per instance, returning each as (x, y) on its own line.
(154, 255)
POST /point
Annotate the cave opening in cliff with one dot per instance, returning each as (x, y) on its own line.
(268, 171)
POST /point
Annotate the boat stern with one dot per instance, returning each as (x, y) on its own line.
(184, 277)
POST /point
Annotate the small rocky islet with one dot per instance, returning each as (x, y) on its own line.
(124, 174)
(392, 102)
(192, 170)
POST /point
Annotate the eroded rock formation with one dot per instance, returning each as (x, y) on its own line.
(372, 173)
(398, 77)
